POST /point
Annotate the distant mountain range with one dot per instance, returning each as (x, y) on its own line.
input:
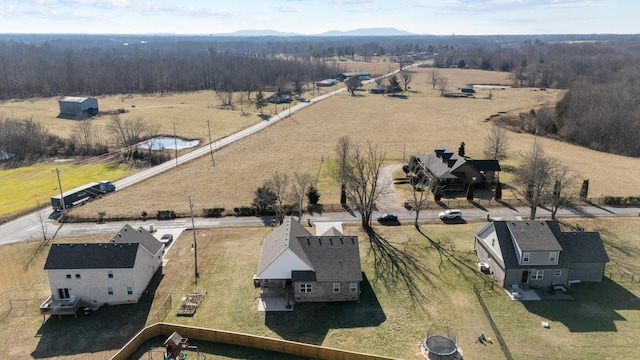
(332, 33)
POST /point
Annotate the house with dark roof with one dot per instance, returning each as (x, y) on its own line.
(362, 75)
(281, 97)
(95, 274)
(456, 172)
(300, 267)
(378, 89)
(539, 254)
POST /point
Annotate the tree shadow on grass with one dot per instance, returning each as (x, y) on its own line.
(596, 307)
(112, 325)
(452, 257)
(310, 322)
(396, 267)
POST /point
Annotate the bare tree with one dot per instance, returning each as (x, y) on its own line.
(378, 80)
(226, 98)
(560, 195)
(496, 143)
(278, 185)
(442, 84)
(299, 190)
(433, 78)
(422, 182)
(41, 216)
(352, 84)
(405, 76)
(127, 133)
(360, 174)
(533, 177)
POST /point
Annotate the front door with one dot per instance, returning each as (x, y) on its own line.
(525, 277)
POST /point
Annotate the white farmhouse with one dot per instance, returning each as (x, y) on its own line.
(92, 275)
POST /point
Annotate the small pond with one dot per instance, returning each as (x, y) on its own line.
(168, 142)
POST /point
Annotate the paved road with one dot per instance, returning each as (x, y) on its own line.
(11, 234)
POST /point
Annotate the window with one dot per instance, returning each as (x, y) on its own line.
(353, 287)
(78, 276)
(558, 272)
(553, 256)
(305, 288)
(110, 290)
(493, 242)
(525, 257)
(537, 274)
(68, 275)
(336, 287)
(63, 293)
(129, 290)
(266, 281)
(110, 273)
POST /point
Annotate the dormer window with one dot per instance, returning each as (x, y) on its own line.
(110, 273)
(553, 256)
(525, 257)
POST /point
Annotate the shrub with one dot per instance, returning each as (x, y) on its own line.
(212, 212)
(245, 211)
(165, 215)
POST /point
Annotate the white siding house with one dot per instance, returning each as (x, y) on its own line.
(92, 275)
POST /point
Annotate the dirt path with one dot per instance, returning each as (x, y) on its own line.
(388, 201)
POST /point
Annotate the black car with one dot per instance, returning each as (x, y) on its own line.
(387, 217)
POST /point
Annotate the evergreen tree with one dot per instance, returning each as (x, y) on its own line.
(498, 192)
(312, 195)
(261, 101)
(470, 192)
(461, 149)
(394, 85)
(584, 191)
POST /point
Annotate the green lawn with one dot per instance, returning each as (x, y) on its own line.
(399, 305)
(26, 187)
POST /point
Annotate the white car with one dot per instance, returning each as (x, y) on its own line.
(450, 214)
(166, 239)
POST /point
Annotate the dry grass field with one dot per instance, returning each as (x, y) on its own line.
(600, 323)
(305, 142)
(399, 126)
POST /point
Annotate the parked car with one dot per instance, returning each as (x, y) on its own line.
(387, 217)
(300, 98)
(450, 214)
(166, 239)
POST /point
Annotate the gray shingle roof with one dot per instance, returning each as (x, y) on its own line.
(584, 247)
(334, 258)
(533, 236)
(279, 240)
(485, 165)
(91, 256)
(129, 235)
(578, 247)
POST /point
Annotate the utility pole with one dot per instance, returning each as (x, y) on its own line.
(210, 148)
(60, 187)
(195, 242)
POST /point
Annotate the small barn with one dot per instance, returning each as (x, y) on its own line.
(378, 89)
(326, 82)
(77, 108)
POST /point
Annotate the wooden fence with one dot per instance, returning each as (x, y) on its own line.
(239, 339)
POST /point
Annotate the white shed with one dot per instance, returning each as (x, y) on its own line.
(78, 107)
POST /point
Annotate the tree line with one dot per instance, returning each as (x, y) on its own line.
(28, 70)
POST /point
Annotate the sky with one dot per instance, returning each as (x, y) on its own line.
(309, 17)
